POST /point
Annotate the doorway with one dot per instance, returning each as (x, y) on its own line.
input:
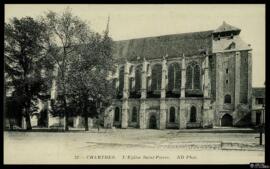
(153, 122)
(227, 120)
(258, 118)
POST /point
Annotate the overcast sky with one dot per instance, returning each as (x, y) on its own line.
(134, 21)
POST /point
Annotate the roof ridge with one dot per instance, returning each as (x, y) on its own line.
(164, 35)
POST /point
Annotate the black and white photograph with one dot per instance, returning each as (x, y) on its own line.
(134, 84)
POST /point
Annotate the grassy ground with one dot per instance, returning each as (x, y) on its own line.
(76, 147)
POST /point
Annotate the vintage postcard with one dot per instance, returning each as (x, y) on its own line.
(134, 84)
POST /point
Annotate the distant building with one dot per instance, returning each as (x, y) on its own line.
(258, 106)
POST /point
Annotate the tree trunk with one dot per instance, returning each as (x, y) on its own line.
(28, 103)
(27, 114)
(27, 119)
(66, 114)
(64, 91)
(28, 122)
(85, 115)
(10, 123)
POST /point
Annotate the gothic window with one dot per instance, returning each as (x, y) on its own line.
(177, 82)
(138, 77)
(156, 77)
(115, 89)
(121, 79)
(134, 115)
(172, 114)
(116, 114)
(189, 77)
(174, 77)
(193, 76)
(227, 99)
(196, 75)
(227, 71)
(193, 114)
(171, 78)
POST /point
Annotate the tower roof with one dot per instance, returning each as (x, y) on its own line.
(226, 28)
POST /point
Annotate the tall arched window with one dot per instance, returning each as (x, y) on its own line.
(193, 76)
(134, 114)
(189, 77)
(138, 77)
(114, 86)
(193, 114)
(197, 77)
(172, 114)
(156, 77)
(174, 77)
(121, 79)
(227, 99)
(117, 114)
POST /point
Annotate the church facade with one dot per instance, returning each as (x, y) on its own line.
(190, 80)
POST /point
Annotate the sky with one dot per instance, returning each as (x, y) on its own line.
(135, 21)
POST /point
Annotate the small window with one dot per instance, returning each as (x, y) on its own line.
(227, 71)
(227, 99)
(227, 81)
(259, 101)
(116, 114)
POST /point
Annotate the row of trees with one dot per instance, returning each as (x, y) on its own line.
(83, 59)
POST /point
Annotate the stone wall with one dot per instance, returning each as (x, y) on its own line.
(244, 77)
(212, 75)
(152, 108)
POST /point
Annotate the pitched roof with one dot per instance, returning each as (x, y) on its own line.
(226, 27)
(225, 44)
(258, 92)
(156, 47)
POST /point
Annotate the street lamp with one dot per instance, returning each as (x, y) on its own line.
(262, 123)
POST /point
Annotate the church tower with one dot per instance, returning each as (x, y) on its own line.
(233, 70)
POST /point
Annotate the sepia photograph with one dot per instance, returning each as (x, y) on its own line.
(134, 84)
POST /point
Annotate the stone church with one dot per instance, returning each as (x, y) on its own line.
(189, 80)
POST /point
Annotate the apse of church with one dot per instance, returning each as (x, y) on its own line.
(189, 80)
